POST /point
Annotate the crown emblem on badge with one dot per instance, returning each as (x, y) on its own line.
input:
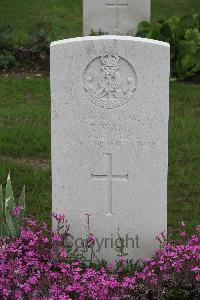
(109, 59)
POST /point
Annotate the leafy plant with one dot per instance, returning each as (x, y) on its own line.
(96, 33)
(11, 213)
(183, 35)
(6, 37)
(7, 58)
(36, 51)
(40, 38)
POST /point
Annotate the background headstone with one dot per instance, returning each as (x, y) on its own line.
(110, 139)
(114, 16)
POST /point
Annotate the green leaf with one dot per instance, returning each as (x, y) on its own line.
(9, 200)
(144, 26)
(187, 61)
(143, 29)
(173, 22)
(186, 21)
(9, 205)
(166, 31)
(1, 212)
(178, 70)
(154, 34)
(4, 230)
(142, 34)
(196, 68)
(1, 202)
(197, 21)
(22, 198)
(186, 47)
(193, 35)
(22, 204)
(10, 223)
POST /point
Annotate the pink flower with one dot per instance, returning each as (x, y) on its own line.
(33, 280)
(18, 295)
(27, 287)
(91, 238)
(182, 234)
(31, 222)
(195, 269)
(45, 240)
(58, 217)
(146, 260)
(110, 267)
(182, 224)
(16, 210)
(56, 238)
(121, 259)
(30, 267)
(198, 277)
(198, 228)
(30, 253)
(63, 253)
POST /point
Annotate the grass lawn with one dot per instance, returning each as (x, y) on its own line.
(25, 117)
(25, 114)
(66, 15)
(184, 157)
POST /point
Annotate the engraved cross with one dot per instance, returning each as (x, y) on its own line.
(109, 177)
(117, 4)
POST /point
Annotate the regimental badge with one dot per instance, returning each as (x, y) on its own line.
(109, 81)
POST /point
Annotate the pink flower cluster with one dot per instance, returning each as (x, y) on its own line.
(16, 210)
(36, 265)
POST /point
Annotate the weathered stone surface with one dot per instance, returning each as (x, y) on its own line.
(114, 16)
(110, 139)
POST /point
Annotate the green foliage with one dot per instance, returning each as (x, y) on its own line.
(11, 213)
(94, 33)
(35, 51)
(40, 38)
(7, 58)
(6, 37)
(183, 35)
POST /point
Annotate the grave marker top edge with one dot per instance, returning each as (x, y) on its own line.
(109, 37)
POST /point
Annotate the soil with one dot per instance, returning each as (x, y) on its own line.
(193, 80)
(23, 73)
(44, 164)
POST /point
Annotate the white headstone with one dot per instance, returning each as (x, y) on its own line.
(114, 16)
(110, 139)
